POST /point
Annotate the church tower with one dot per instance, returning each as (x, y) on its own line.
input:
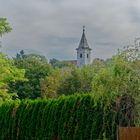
(83, 51)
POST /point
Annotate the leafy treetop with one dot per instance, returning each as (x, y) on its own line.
(4, 26)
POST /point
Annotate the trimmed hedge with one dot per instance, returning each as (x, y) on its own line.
(76, 117)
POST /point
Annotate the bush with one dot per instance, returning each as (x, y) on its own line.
(76, 117)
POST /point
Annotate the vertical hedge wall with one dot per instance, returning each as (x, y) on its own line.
(75, 117)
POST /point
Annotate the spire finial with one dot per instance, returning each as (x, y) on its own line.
(84, 28)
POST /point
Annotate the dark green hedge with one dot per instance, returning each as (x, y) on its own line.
(76, 117)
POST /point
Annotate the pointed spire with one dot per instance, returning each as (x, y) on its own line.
(83, 43)
(83, 29)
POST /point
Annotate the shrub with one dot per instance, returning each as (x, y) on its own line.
(76, 117)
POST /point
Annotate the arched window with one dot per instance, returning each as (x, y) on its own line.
(80, 55)
(87, 55)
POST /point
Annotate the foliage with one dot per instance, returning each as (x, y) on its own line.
(119, 83)
(115, 77)
(61, 64)
(120, 78)
(115, 82)
(36, 68)
(22, 55)
(78, 81)
(50, 85)
(77, 117)
(131, 52)
(8, 73)
(4, 26)
(68, 81)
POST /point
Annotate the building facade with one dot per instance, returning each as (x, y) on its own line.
(83, 51)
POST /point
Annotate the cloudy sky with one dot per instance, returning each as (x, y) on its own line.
(54, 27)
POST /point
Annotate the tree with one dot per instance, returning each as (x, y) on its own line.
(78, 81)
(50, 84)
(36, 68)
(8, 74)
(20, 55)
(4, 26)
(60, 64)
(68, 81)
(119, 83)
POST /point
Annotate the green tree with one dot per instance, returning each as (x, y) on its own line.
(8, 73)
(50, 84)
(4, 26)
(77, 81)
(36, 68)
(61, 64)
(119, 82)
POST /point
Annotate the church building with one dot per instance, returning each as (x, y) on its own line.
(83, 51)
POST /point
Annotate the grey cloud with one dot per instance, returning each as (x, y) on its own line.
(53, 27)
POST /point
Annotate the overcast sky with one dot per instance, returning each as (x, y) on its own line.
(54, 27)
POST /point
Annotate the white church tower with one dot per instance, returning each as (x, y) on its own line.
(83, 51)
